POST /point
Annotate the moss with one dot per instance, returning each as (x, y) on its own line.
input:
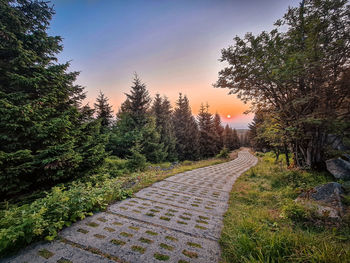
(167, 247)
(84, 231)
(99, 236)
(145, 240)
(191, 244)
(109, 229)
(190, 254)
(139, 249)
(149, 232)
(125, 234)
(118, 242)
(171, 238)
(45, 253)
(161, 257)
(92, 224)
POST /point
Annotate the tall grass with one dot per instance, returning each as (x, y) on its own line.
(257, 227)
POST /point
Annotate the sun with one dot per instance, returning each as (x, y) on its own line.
(228, 116)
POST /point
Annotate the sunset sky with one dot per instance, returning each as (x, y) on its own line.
(174, 46)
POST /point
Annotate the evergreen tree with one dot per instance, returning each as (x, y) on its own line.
(137, 103)
(186, 130)
(235, 140)
(231, 139)
(162, 112)
(45, 136)
(207, 137)
(135, 125)
(103, 111)
(218, 131)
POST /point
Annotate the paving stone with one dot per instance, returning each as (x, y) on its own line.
(188, 201)
(177, 218)
(56, 252)
(134, 241)
(193, 190)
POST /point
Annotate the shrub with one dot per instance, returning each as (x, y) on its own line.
(44, 217)
(224, 153)
(137, 161)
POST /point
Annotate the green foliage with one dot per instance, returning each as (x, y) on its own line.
(115, 166)
(264, 223)
(45, 136)
(299, 72)
(186, 130)
(104, 111)
(162, 112)
(136, 161)
(230, 138)
(60, 207)
(207, 133)
(295, 211)
(224, 153)
(136, 126)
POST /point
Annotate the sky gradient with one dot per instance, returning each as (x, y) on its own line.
(173, 45)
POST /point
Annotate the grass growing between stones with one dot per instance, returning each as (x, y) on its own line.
(263, 223)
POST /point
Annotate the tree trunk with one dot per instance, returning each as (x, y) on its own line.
(286, 152)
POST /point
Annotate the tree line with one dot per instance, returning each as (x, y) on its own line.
(47, 134)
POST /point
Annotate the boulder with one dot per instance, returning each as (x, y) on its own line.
(339, 168)
(326, 199)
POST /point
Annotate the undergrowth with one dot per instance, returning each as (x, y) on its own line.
(42, 215)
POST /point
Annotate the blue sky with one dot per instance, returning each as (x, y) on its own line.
(173, 45)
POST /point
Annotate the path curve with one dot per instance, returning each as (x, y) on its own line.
(175, 220)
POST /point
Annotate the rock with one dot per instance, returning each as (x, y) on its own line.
(326, 199)
(339, 168)
(336, 142)
(346, 157)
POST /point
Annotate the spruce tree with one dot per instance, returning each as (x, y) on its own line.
(135, 125)
(45, 136)
(207, 137)
(218, 132)
(186, 130)
(162, 112)
(104, 111)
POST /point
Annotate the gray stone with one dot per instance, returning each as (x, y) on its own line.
(201, 224)
(55, 252)
(339, 168)
(135, 241)
(326, 198)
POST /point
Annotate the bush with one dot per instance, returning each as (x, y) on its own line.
(224, 153)
(116, 166)
(44, 217)
(137, 161)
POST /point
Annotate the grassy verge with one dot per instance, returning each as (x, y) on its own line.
(41, 218)
(263, 223)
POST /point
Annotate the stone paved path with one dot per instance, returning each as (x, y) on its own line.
(175, 220)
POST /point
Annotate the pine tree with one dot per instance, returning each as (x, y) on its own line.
(103, 111)
(162, 112)
(45, 136)
(186, 130)
(207, 137)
